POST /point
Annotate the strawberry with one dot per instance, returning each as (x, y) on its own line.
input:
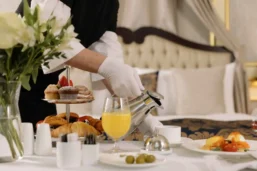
(64, 82)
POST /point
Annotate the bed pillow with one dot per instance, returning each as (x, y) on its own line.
(199, 91)
(165, 86)
(148, 78)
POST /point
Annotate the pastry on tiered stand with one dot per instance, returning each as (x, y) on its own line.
(59, 125)
(66, 93)
(51, 92)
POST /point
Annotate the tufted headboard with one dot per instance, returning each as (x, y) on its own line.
(150, 47)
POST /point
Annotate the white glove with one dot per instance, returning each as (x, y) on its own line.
(123, 78)
(108, 45)
(147, 127)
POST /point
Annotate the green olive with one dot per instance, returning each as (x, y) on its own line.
(140, 159)
(130, 159)
(142, 155)
(145, 155)
(150, 159)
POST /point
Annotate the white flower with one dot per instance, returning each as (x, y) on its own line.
(28, 37)
(69, 36)
(12, 28)
(46, 51)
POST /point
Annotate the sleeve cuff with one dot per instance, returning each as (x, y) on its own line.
(57, 64)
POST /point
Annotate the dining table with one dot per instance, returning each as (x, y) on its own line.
(180, 159)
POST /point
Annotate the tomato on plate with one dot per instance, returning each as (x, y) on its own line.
(64, 82)
(231, 147)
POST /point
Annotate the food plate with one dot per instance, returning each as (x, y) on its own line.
(115, 159)
(69, 101)
(195, 145)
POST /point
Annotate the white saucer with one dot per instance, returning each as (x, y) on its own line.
(178, 144)
(156, 152)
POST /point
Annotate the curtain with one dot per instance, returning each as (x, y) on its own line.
(206, 13)
(134, 14)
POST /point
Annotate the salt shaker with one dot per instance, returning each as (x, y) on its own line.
(27, 136)
(43, 143)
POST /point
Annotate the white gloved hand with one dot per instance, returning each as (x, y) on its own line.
(148, 126)
(124, 80)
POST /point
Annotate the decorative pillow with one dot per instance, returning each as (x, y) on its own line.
(229, 87)
(149, 81)
(167, 90)
(199, 91)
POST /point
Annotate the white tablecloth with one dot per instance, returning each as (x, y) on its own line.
(180, 160)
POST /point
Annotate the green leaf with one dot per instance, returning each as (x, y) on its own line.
(34, 75)
(35, 14)
(9, 52)
(27, 13)
(25, 81)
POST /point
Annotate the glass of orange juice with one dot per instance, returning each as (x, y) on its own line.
(116, 119)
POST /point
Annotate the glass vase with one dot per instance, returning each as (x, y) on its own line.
(11, 148)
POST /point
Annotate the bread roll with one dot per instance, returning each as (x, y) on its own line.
(99, 126)
(54, 121)
(73, 116)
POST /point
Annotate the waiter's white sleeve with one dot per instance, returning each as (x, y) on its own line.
(109, 46)
(57, 64)
(149, 124)
(62, 13)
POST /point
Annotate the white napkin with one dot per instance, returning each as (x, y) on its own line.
(215, 164)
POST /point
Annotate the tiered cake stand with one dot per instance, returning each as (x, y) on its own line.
(68, 102)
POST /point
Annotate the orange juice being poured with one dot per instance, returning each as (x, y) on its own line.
(116, 124)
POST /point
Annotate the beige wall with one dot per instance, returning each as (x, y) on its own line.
(9, 5)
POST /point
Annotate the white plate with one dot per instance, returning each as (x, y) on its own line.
(116, 160)
(68, 101)
(156, 152)
(195, 145)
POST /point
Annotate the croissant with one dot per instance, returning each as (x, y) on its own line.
(64, 129)
(83, 129)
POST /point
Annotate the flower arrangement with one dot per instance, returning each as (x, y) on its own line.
(27, 43)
